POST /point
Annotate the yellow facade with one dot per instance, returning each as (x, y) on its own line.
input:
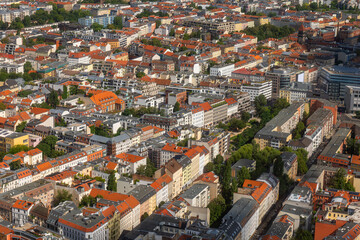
(152, 204)
(16, 139)
(335, 215)
(285, 94)
(187, 174)
(114, 226)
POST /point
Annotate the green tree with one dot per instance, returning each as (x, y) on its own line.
(313, 6)
(242, 175)
(27, 67)
(140, 74)
(259, 102)
(21, 127)
(278, 167)
(176, 107)
(245, 116)
(303, 235)
(15, 165)
(144, 216)
(339, 181)
(209, 167)
(97, 27)
(186, 36)
(2, 106)
(217, 208)
(87, 201)
(111, 185)
(64, 94)
(18, 148)
(61, 196)
(118, 22)
(53, 99)
(172, 32)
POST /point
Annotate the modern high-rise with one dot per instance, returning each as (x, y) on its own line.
(333, 80)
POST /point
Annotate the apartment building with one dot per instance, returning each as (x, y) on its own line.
(277, 132)
(198, 195)
(352, 99)
(242, 220)
(256, 89)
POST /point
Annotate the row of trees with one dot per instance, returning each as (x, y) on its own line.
(47, 145)
(236, 124)
(147, 170)
(41, 17)
(141, 111)
(269, 31)
(28, 77)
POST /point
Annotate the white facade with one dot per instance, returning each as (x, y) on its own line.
(196, 197)
(250, 226)
(256, 89)
(162, 195)
(222, 70)
(100, 233)
(198, 118)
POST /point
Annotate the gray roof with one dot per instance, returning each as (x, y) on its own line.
(296, 210)
(278, 229)
(243, 163)
(283, 116)
(288, 158)
(142, 193)
(60, 210)
(238, 216)
(334, 144)
(194, 191)
(269, 178)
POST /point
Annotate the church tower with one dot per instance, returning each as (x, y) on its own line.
(301, 35)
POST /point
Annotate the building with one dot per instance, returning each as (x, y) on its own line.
(242, 220)
(75, 224)
(352, 98)
(296, 92)
(256, 89)
(290, 164)
(9, 139)
(212, 181)
(333, 80)
(198, 195)
(247, 163)
(280, 78)
(146, 195)
(333, 152)
(277, 132)
(21, 212)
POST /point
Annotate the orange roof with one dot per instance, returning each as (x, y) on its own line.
(111, 165)
(61, 176)
(21, 204)
(173, 148)
(23, 174)
(161, 182)
(324, 229)
(37, 111)
(115, 197)
(127, 157)
(208, 177)
(4, 165)
(44, 166)
(103, 98)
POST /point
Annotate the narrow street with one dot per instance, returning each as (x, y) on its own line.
(274, 211)
(271, 215)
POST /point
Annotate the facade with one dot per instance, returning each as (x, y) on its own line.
(277, 132)
(333, 80)
(352, 98)
(242, 220)
(198, 195)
